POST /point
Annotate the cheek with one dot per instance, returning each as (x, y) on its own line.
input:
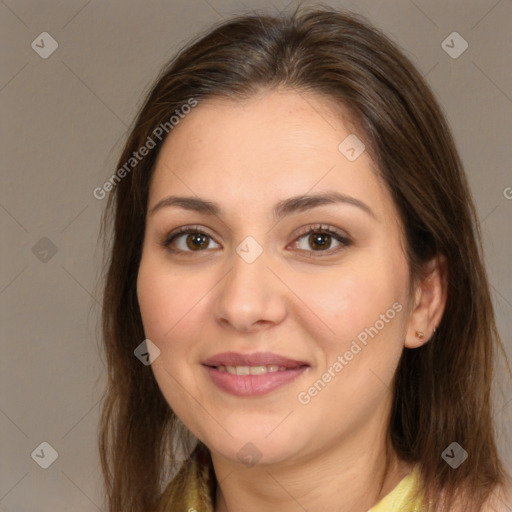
(352, 301)
(364, 309)
(169, 305)
(166, 299)
(359, 353)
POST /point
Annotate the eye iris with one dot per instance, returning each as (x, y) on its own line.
(319, 239)
(199, 241)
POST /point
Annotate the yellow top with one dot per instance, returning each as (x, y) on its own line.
(402, 498)
(193, 489)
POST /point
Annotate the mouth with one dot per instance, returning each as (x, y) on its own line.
(251, 370)
(258, 359)
(252, 374)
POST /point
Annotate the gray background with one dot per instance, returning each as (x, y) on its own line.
(63, 122)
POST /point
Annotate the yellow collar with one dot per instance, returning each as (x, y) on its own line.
(404, 497)
(197, 488)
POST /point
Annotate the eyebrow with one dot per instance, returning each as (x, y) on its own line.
(282, 209)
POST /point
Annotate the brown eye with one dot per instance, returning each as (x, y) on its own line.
(196, 241)
(188, 240)
(320, 240)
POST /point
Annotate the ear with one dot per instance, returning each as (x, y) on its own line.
(429, 303)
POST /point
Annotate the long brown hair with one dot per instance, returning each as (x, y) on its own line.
(442, 390)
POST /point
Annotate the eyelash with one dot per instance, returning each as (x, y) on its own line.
(316, 229)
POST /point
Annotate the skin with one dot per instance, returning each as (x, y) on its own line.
(332, 453)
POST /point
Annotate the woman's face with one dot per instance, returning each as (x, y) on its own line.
(328, 311)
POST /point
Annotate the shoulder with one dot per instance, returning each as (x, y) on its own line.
(500, 499)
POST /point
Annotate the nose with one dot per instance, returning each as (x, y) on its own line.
(250, 298)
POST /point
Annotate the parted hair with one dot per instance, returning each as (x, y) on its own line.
(442, 390)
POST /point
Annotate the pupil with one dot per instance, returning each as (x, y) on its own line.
(319, 239)
(198, 240)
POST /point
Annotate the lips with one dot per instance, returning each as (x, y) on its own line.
(257, 359)
(247, 375)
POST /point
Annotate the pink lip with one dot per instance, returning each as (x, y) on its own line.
(252, 385)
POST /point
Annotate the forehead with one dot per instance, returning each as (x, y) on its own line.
(257, 151)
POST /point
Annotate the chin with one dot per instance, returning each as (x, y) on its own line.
(250, 450)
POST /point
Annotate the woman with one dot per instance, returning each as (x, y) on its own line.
(297, 266)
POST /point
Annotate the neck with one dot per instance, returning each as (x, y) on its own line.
(350, 477)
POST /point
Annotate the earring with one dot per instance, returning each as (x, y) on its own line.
(420, 335)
